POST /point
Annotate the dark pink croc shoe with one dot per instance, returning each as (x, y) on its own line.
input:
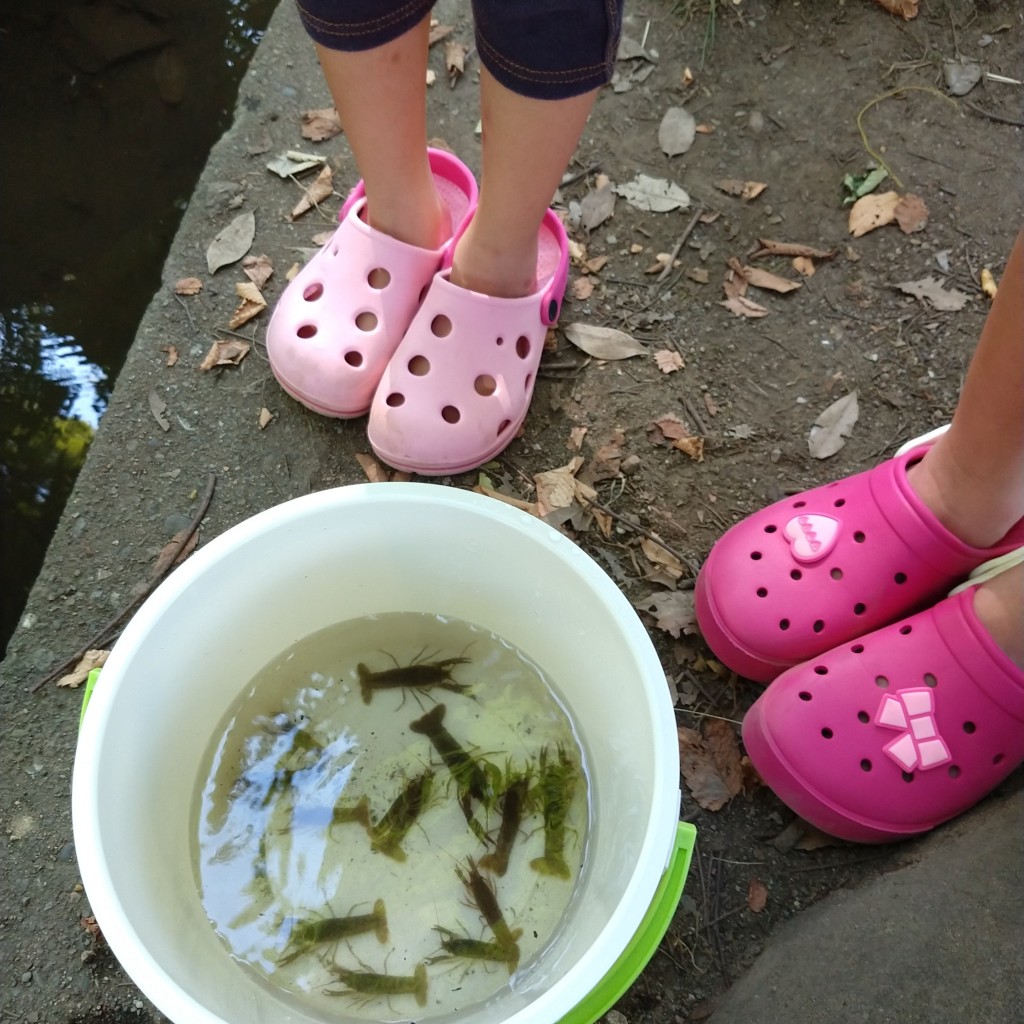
(829, 565)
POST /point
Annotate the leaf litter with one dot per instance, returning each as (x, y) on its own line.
(604, 342)
(710, 763)
(232, 242)
(831, 429)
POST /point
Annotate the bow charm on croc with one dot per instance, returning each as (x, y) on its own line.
(811, 536)
(912, 711)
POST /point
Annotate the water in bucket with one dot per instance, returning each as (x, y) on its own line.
(394, 815)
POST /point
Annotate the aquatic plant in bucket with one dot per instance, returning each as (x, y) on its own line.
(341, 554)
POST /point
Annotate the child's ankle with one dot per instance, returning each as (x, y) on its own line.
(999, 605)
(969, 508)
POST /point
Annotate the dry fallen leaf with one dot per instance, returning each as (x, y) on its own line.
(225, 353)
(321, 189)
(988, 283)
(930, 290)
(265, 417)
(438, 32)
(672, 611)
(653, 194)
(698, 274)
(576, 435)
(598, 205)
(742, 306)
(232, 242)
(710, 404)
(669, 426)
(556, 488)
(771, 247)
(157, 406)
(455, 60)
(188, 286)
(804, 266)
(770, 282)
(320, 125)
(657, 555)
(607, 461)
(692, 446)
(78, 675)
(757, 895)
(668, 361)
(582, 288)
(508, 499)
(258, 269)
(911, 214)
(676, 131)
(595, 265)
(906, 9)
(833, 427)
(710, 763)
(603, 342)
(374, 471)
(872, 211)
(252, 304)
(745, 190)
(172, 354)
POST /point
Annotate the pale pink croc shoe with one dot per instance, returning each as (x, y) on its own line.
(893, 734)
(459, 385)
(342, 316)
(812, 571)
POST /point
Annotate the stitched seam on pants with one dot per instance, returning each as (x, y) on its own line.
(354, 29)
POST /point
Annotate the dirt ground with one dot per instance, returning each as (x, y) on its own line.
(777, 90)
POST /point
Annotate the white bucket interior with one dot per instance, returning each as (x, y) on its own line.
(295, 569)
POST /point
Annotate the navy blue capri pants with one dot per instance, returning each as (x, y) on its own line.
(543, 49)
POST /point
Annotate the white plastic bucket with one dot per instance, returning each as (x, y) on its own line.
(294, 569)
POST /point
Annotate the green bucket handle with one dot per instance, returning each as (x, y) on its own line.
(607, 992)
(90, 685)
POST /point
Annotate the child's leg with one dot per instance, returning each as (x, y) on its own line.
(380, 96)
(527, 145)
(973, 478)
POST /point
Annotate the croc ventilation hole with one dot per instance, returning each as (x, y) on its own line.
(307, 331)
(827, 733)
(762, 591)
(900, 577)
(313, 292)
(784, 624)
(969, 727)
(503, 426)
(805, 695)
(906, 630)
(440, 326)
(930, 680)
(485, 385)
(755, 556)
(839, 503)
(378, 279)
(450, 414)
(907, 776)
(866, 765)
(863, 717)
(419, 366)
(796, 574)
(881, 682)
(820, 670)
(366, 322)
(394, 400)
(857, 649)
(799, 504)
(770, 528)
(859, 608)
(859, 536)
(998, 758)
(354, 358)
(523, 347)
(819, 625)
(836, 574)
(954, 771)
(528, 382)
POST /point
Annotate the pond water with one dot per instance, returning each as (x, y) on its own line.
(109, 110)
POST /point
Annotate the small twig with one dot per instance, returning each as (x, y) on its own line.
(691, 411)
(994, 117)
(106, 633)
(188, 313)
(686, 584)
(687, 231)
(571, 179)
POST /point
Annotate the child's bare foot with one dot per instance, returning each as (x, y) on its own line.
(508, 271)
(422, 221)
(978, 511)
(999, 605)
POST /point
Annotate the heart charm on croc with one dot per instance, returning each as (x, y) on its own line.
(459, 385)
(811, 536)
(812, 571)
(342, 316)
